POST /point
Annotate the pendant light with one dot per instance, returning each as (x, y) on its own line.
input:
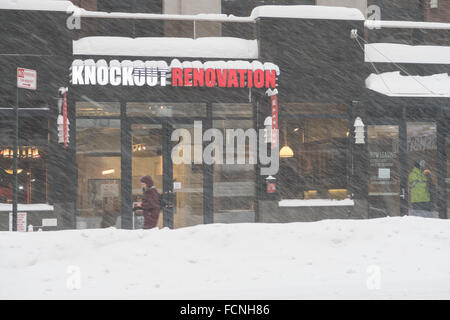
(286, 151)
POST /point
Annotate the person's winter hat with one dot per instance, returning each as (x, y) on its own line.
(147, 180)
(420, 164)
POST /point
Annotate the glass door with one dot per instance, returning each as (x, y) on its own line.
(146, 159)
(422, 169)
(171, 153)
(186, 187)
(385, 192)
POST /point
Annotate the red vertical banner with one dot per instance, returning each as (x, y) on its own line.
(274, 104)
(65, 119)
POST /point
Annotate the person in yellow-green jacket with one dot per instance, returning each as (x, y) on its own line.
(419, 192)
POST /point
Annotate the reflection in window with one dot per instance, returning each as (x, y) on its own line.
(162, 109)
(235, 110)
(97, 109)
(99, 195)
(313, 159)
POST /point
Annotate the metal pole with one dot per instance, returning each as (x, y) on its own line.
(15, 149)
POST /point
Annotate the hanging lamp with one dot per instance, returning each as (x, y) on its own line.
(286, 151)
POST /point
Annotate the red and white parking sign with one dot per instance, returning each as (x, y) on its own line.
(26, 78)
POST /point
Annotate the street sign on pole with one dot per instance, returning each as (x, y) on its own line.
(26, 79)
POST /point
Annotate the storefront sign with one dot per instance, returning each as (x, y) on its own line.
(422, 143)
(234, 74)
(26, 78)
(109, 190)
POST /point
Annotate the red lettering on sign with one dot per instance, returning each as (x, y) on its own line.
(259, 78)
(210, 77)
(250, 78)
(187, 77)
(177, 77)
(232, 79)
(242, 78)
(271, 78)
(198, 78)
(222, 77)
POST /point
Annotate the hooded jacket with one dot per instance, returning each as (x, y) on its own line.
(150, 201)
(418, 185)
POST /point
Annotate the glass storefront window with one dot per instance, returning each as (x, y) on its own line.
(97, 109)
(163, 109)
(33, 160)
(32, 174)
(313, 159)
(98, 136)
(99, 173)
(234, 184)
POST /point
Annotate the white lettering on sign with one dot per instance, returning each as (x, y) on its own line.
(153, 73)
(26, 78)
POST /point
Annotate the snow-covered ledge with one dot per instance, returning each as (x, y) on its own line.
(26, 207)
(207, 47)
(315, 203)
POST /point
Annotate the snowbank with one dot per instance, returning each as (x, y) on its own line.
(394, 84)
(405, 258)
(402, 53)
(208, 47)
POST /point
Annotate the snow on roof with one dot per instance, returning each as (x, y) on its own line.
(208, 47)
(40, 5)
(307, 12)
(395, 85)
(402, 53)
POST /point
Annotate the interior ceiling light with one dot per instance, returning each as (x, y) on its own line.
(286, 151)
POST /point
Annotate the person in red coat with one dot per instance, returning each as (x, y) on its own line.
(150, 203)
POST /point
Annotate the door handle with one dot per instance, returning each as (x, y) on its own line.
(403, 195)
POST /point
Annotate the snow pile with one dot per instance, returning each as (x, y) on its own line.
(394, 84)
(382, 258)
(307, 12)
(41, 5)
(207, 47)
(402, 53)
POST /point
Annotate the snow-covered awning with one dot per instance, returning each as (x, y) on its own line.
(307, 12)
(396, 85)
(38, 5)
(401, 53)
(208, 47)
